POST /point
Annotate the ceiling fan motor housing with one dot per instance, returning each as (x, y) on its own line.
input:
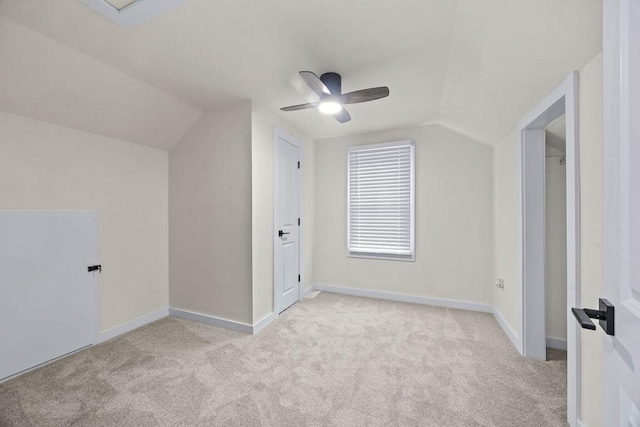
(333, 82)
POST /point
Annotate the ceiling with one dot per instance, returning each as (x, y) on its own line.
(475, 66)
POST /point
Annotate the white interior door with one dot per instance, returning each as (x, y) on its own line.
(622, 210)
(48, 299)
(286, 267)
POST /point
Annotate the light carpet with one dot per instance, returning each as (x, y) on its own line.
(333, 360)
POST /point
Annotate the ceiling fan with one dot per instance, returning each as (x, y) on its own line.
(329, 88)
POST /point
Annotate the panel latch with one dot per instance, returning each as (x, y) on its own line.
(94, 268)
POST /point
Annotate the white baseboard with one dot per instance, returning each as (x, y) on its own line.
(131, 325)
(438, 302)
(557, 343)
(263, 322)
(211, 320)
(223, 323)
(579, 423)
(510, 333)
(138, 322)
(311, 289)
(462, 305)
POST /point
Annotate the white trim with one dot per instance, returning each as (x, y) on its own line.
(532, 146)
(375, 145)
(563, 99)
(134, 14)
(223, 323)
(131, 325)
(262, 323)
(437, 302)
(580, 423)
(382, 257)
(50, 213)
(557, 343)
(508, 330)
(277, 135)
(211, 320)
(311, 289)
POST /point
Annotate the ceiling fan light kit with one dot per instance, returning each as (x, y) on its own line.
(328, 87)
(329, 107)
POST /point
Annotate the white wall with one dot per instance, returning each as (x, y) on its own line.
(210, 216)
(49, 167)
(507, 259)
(506, 223)
(556, 249)
(262, 124)
(454, 213)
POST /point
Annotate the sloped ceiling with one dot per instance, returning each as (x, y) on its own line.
(476, 66)
(506, 55)
(42, 79)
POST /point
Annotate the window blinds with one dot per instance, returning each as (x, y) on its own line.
(380, 200)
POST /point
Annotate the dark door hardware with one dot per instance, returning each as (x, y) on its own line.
(606, 316)
(94, 268)
(282, 233)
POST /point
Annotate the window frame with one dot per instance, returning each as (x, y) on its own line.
(412, 173)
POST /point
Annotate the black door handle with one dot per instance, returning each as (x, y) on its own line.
(282, 233)
(583, 318)
(606, 317)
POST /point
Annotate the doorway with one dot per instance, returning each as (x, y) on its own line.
(555, 199)
(287, 220)
(532, 340)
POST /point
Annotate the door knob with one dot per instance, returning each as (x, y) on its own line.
(606, 317)
(281, 233)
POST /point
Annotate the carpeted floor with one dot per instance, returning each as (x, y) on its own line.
(331, 360)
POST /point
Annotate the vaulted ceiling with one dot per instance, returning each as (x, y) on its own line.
(474, 65)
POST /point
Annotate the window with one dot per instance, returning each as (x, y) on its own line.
(381, 201)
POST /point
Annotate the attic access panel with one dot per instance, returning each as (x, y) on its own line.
(129, 13)
(120, 4)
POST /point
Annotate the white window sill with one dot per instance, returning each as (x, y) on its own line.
(404, 258)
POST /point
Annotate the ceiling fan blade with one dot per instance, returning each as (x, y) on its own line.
(301, 106)
(364, 95)
(314, 83)
(342, 116)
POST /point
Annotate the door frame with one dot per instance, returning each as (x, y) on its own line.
(277, 135)
(531, 176)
